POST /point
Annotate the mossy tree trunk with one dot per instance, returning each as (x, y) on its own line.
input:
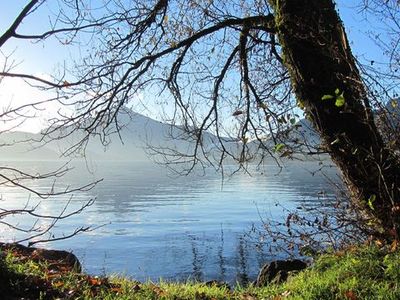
(319, 59)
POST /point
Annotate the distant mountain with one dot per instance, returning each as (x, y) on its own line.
(300, 138)
(22, 146)
(139, 137)
(303, 133)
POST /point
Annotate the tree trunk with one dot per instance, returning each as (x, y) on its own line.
(317, 54)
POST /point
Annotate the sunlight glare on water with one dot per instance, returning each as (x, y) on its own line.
(158, 226)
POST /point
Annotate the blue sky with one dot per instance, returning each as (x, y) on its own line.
(36, 57)
(43, 58)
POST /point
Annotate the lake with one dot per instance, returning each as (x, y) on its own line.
(176, 228)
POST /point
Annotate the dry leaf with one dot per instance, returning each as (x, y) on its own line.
(94, 281)
(379, 243)
(237, 113)
(394, 246)
(286, 293)
(136, 287)
(248, 297)
(350, 295)
(117, 290)
(58, 284)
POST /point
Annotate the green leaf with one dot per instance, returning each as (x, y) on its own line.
(327, 97)
(371, 201)
(278, 147)
(340, 101)
(337, 92)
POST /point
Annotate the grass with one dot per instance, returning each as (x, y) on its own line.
(364, 272)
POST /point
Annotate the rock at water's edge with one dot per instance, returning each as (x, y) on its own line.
(39, 254)
(278, 271)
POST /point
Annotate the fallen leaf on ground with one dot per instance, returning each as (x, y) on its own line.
(58, 284)
(350, 295)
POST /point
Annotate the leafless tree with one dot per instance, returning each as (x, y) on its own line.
(40, 226)
(240, 70)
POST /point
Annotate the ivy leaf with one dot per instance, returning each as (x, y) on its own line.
(278, 147)
(340, 101)
(327, 97)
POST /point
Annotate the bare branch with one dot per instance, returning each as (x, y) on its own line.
(18, 20)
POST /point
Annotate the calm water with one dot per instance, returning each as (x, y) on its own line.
(158, 226)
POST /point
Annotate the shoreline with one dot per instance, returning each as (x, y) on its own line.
(357, 272)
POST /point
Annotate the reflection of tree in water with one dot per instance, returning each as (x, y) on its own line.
(221, 259)
(198, 260)
(229, 257)
(242, 263)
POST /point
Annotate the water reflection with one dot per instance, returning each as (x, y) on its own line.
(242, 261)
(186, 227)
(221, 259)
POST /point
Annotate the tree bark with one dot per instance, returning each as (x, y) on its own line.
(317, 54)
